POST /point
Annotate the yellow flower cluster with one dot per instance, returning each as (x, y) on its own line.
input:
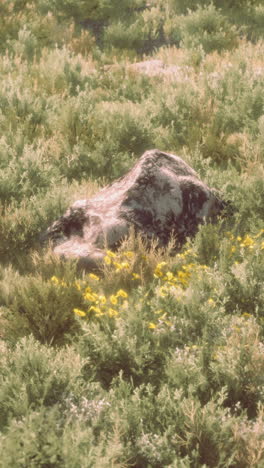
(120, 262)
(162, 320)
(181, 278)
(100, 305)
(175, 283)
(97, 304)
(185, 254)
(246, 243)
(57, 281)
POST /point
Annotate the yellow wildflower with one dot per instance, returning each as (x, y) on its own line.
(135, 276)
(158, 274)
(246, 315)
(183, 277)
(94, 277)
(121, 266)
(181, 256)
(167, 322)
(262, 246)
(58, 282)
(111, 254)
(259, 234)
(54, 279)
(107, 260)
(152, 325)
(169, 276)
(77, 285)
(163, 291)
(113, 299)
(186, 252)
(121, 293)
(92, 297)
(163, 316)
(211, 302)
(79, 312)
(112, 312)
(161, 265)
(97, 310)
(158, 312)
(247, 242)
(129, 254)
(191, 266)
(102, 299)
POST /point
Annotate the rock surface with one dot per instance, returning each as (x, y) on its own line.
(158, 68)
(161, 196)
(155, 68)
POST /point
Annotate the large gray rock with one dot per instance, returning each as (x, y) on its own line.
(161, 197)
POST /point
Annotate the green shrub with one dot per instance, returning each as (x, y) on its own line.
(142, 33)
(172, 29)
(95, 10)
(43, 308)
(104, 85)
(80, 10)
(228, 4)
(179, 7)
(244, 287)
(22, 224)
(130, 344)
(25, 177)
(179, 111)
(21, 109)
(208, 28)
(34, 441)
(35, 376)
(207, 247)
(242, 378)
(237, 107)
(125, 36)
(255, 18)
(101, 136)
(164, 365)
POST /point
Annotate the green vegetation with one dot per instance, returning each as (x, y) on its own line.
(158, 361)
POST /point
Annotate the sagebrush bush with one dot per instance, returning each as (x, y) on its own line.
(209, 29)
(183, 7)
(36, 376)
(157, 361)
(42, 308)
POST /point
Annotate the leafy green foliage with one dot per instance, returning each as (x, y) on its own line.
(158, 361)
(209, 29)
(41, 308)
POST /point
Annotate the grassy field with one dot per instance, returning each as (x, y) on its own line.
(158, 361)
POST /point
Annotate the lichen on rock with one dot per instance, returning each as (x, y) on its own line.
(160, 197)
